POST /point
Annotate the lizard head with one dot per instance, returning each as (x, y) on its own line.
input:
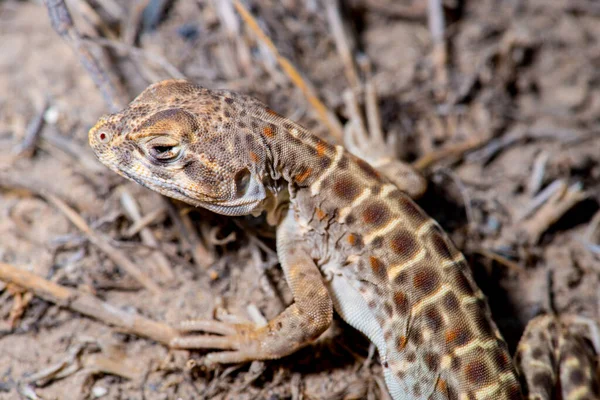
(188, 143)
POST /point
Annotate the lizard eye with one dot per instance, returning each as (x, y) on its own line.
(164, 149)
(104, 137)
(165, 153)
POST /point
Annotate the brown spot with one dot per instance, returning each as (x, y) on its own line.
(388, 309)
(426, 280)
(433, 319)
(227, 114)
(346, 188)
(401, 342)
(432, 361)
(228, 100)
(537, 353)
(241, 124)
(577, 377)
(441, 246)
(377, 242)
(455, 363)
(376, 214)
(253, 156)
(461, 283)
(343, 163)
(404, 243)
(459, 336)
(482, 322)
(377, 266)
(477, 372)
(417, 389)
(502, 360)
(416, 336)
(376, 189)
(514, 392)
(367, 169)
(409, 207)
(542, 380)
(301, 177)
(268, 131)
(450, 302)
(320, 214)
(401, 375)
(401, 278)
(350, 219)
(401, 302)
(324, 162)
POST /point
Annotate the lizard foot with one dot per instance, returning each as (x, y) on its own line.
(241, 339)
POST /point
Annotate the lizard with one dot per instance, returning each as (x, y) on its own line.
(348, 239)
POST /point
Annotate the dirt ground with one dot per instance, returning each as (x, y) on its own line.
(520, 78)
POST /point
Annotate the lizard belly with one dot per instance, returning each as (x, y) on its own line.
(352, 304)
(353, 309)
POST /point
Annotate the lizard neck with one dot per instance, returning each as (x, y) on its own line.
(296, 155)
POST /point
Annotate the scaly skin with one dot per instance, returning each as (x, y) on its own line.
(348, 239)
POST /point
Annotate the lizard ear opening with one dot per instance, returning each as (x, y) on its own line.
(248, 189)
(242, 182)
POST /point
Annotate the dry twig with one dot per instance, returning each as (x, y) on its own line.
(113, 92)
(88, 305)
(326, 116)
(116, 255)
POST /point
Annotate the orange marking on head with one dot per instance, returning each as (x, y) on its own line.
(351, 239)
(302, 176)
(320, 214)
(254, 156)
(272, 112)
(321, 147)
(268, 131)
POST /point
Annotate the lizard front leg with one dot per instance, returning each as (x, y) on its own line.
(299, 324)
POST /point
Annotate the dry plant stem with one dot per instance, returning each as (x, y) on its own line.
(437, 28)
(558, 186)
(341, 43)
(134, 213)
(326, 116)
(200, 254)
(450, 151)
(416, 10)
(113, 92)
(537, 173)
(126, 368)
(371, 105)
(34, 129)
(137, 52)
(116, 255)
(499, 259)
(131, 23)
(152, 217)
(551, 212)
(88, 305)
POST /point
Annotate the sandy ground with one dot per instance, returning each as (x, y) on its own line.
(521, 77)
